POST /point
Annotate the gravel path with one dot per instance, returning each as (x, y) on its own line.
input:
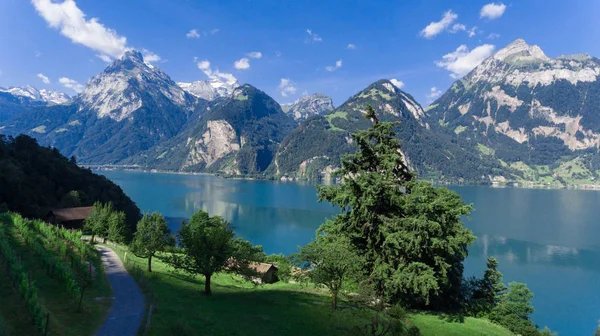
(127, 311)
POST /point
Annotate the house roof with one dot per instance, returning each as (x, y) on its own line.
(261, 268)
(71, 214)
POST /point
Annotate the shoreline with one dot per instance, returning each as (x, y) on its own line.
(519, 185)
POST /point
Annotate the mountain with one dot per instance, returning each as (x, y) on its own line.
(210, 89)
(32, 94)
(314, 149)
(128, 108)
(534, 113)
(238, 135)
(308, 106)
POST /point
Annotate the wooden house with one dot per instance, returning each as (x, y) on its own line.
(267, 272)
(70, 218)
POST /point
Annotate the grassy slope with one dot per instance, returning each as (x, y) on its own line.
(239, 308)
(64, 319)
(430, 324)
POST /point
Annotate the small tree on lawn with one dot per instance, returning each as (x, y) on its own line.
(210, 248)
(98, 219)
(117, 228)
(152, 236)
(330, 260)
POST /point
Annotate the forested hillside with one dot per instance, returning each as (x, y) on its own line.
(34, 179)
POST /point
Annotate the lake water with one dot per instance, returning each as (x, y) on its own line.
(549, 239)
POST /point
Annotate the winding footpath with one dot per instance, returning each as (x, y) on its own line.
(128, 307)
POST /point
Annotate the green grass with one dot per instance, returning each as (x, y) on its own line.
(460, 129)
(432, 324)
(241, 97)
(432, 106)
(485, 150)
(336, 114)
(240, 308)
(374, 93)
(64, 318)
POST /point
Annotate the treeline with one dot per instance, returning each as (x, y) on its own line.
(35, 179)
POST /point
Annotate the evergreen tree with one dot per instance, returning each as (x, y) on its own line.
(152, 236)
(514, 309)
(409, 231)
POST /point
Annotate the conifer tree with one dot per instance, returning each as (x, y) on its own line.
(409, 231)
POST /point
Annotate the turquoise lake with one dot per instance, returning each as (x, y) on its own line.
(549, 239)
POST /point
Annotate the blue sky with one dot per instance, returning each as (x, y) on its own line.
(390, 39)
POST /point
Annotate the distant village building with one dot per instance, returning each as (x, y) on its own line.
(70, 218)
(267, 272)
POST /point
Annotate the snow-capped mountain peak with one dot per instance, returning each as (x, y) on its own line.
(210, 89)
(308, 106)
(49, 97)
(520, 51)
(117, 92)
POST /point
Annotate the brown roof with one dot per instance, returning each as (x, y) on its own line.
(71, 214)
(261, 268)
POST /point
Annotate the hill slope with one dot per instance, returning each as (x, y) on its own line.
(34, 179)
(314, 149)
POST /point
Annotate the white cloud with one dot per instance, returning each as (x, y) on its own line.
(435, 28)
(312, 37)
(457, 27)
(38, 54)
(255, 54)
(214, 31)
(242, 64)
(44, 79)
(461, 61)
(71, 84)
(332, 68)
(193, 34)
(397, 83)
(472, 31)
(493, 36)
(287, 87)
(72, 23)
(204, 65)
(434, 93)
(278, 53)
(150, 57)
(492, 10)
(105, 58)
(351, 46)
(70, 20)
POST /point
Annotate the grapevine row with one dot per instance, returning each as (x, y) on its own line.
(20, 279)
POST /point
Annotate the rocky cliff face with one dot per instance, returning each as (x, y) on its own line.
(524, 106)
(126, 109)
(308, 106)
(236, 136)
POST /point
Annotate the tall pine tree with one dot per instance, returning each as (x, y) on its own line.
(410, 232)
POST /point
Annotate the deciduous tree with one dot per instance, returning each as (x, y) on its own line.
(152, 236)
(329, 260)
(210, 247)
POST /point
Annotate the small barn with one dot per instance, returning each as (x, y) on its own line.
(70, 218)
(266, 271)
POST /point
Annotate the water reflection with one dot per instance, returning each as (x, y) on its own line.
(527, 253)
